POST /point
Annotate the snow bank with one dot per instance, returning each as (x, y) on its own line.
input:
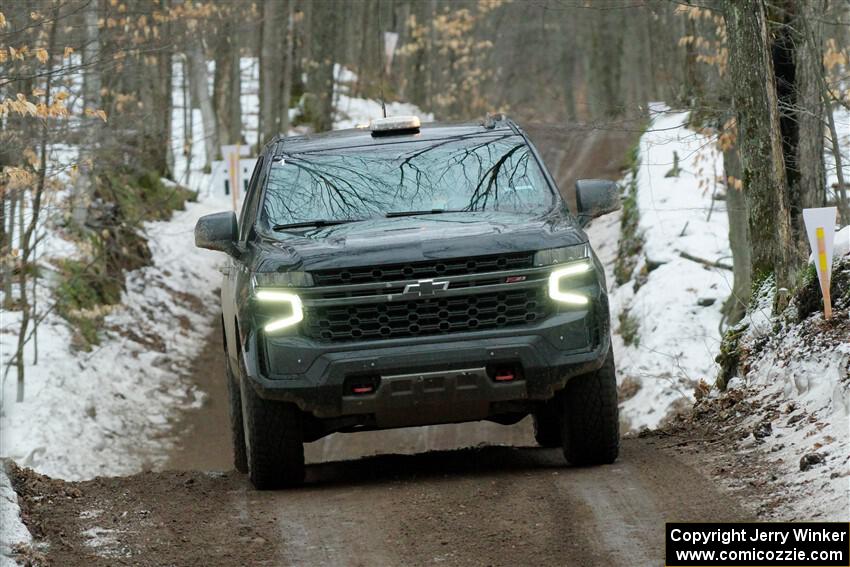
(676, 306)
(12, 531)
(802, 388)
(110, 411)
(798, 381)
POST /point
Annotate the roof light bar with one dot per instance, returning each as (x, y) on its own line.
(394, 124)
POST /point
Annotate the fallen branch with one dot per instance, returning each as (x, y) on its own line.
(705, 262)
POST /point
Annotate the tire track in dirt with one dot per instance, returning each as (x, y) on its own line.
(492, 505)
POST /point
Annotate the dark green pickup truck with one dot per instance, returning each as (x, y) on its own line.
(406, 275)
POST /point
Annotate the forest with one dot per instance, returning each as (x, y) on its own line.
(87, 107)
(721, 121)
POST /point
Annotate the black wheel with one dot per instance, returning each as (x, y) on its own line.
(547, 424)
(237, 429)
(273, 439)
(591, 418)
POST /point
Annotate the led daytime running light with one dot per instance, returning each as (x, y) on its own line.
(271, 296)
(566, 272)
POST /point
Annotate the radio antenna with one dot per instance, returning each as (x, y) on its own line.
(383, 104)
(384, 66)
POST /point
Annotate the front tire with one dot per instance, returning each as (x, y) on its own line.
(273, 439)
(237, 429)
(547, 424)
(591, 419)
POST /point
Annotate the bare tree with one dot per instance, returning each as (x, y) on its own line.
(320, 83)
(811, 188)
(198, 82)
(27, 240)
(759, 140)
(271, 68)
(227, 83)
(289, 56)
(739, 238)
(83, 188)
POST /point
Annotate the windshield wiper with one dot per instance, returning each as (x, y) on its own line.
(312, 223)
(392, 214)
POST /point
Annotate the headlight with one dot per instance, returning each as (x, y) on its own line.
(561, 255)
(565, 274)
(283, 279)
(280, 299)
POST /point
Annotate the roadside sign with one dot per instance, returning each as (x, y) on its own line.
(231, 154)
(820, 228)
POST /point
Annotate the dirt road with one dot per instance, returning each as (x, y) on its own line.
(491, 505)
(471, 494)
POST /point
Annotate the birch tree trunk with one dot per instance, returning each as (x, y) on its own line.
(83, 187)
(199, 84)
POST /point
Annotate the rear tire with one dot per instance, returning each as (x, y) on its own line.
(547, 424)
(273, 439)
(591, 420)
(237, 429)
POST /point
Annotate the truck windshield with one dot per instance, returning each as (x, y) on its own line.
(494, 173)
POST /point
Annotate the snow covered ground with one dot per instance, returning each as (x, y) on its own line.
(12, 531)
(109, 410)
(798, 383)
(677, 336)
(801, 383)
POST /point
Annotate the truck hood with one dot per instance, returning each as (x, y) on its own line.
(414, 238)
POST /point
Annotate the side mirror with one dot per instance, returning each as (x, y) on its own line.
(596, 197)
(217, 232)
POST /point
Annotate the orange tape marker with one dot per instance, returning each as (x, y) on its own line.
(824, 270)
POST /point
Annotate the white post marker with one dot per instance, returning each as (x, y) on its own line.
(820, 228)
(390, 41)
(231, 162)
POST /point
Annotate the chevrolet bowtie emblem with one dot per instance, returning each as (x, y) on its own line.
(425, 287)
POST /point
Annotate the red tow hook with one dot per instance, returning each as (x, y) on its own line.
(366, 389)
(504, 375)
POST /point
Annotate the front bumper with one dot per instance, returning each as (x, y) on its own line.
(313, 374)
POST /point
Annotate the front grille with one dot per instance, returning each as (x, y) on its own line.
(424, 269)
(428, 316)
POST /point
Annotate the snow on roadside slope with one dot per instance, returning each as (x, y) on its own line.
(677, 337)
(12, 531)
(797, 380)
(110, 411)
